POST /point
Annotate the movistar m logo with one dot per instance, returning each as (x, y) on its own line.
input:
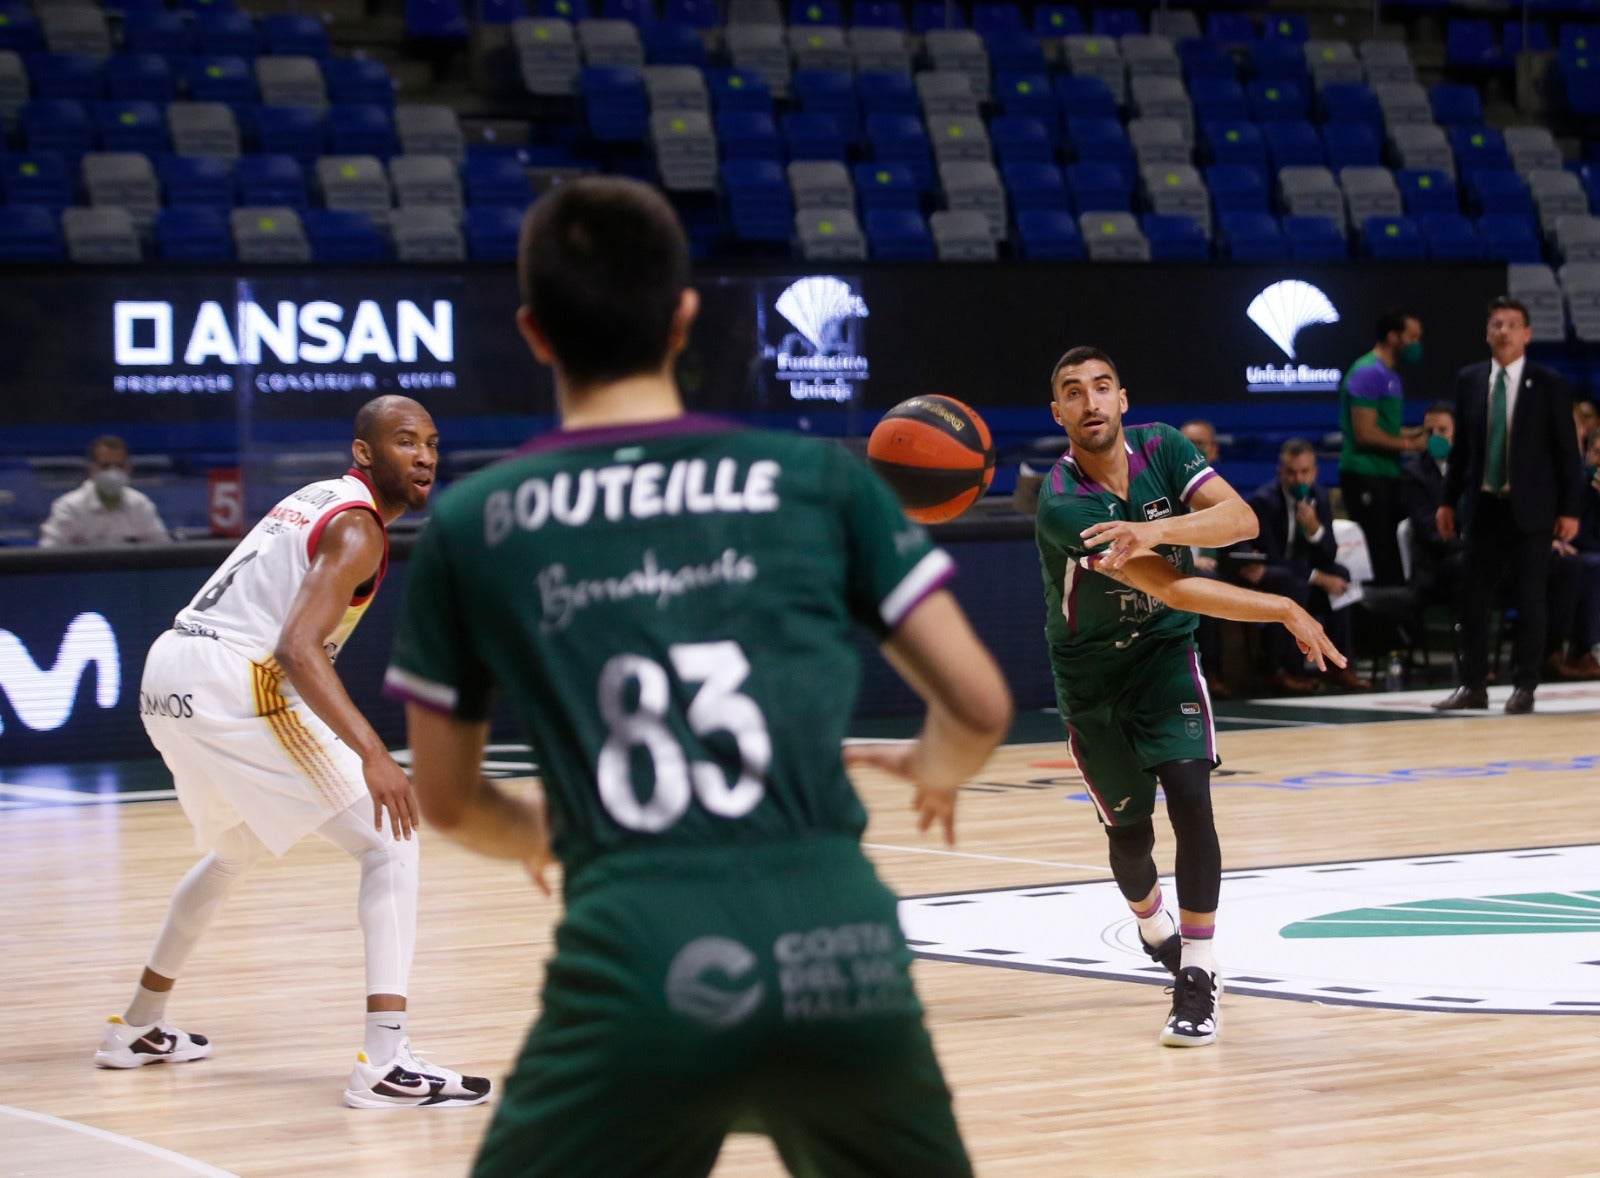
(43, 698)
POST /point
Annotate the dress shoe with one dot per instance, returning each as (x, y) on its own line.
(1557, 666)
(1217, 688)
(1346, 680)
(1587, 667)
(1521, 701)
(1286, 682)
(1464, 699)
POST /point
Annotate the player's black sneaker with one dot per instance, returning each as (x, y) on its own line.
(1193, 1021)
(1169, 953)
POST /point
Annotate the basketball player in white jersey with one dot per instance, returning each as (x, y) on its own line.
(265, 747)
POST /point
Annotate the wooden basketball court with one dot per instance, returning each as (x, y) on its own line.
(1054, 1073)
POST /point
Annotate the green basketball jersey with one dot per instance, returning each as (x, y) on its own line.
(669, 609)
(1089, 613)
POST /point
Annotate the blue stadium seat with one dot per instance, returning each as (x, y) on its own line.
(738, 90)
(1278, 62)
(156, 32)
(832, 93)
(759, 203)
(1580, 79)
(353, 79)
(902, 139)
(698, 14)
(496, 180)
(1048, 234)
(747, 134)
(1020, 139)
(1014, 51)
(827, 13)
(1275, 102)
(886, 185)
(492, 232)
(1029, 94)
(198, 6)
(58, 125)
(1350, 102)
(269, 179)
(1450, 236)
(1314, 239)
(202, 181)
(1202, 57)
(671, 42)
(990, 16)
(877, 14)
(1035, 186)
(73, 76)
(898, 235)
(1509, 237)
(131, 126)
(936, 14)
(1498, 191)
(1478, 148)
(1397, 238)
(501, 12)
(1238, 188)
(1579, 37)
(567, 10)
(139, 77)
(1351, 145)
(1114, 22)
(221, 79)
(636, 12)
(1251, 237)
(1285, 26)
(304, 35)
(1084, 98)
(1538, 39)
(1234, 143)
(36, 178)
(1101, 141)
(1470, 44)
(882, 93)
(31, 234)
(344, 235)
(193, 233)
(19, 28)
(1456, 105)
(1175, 237)
(299, 131)
(1230, 28)
(1099, 188)
(361, 128)
(226, 34)
(1426, 191)
(437, 20)
(1293, 145)
(1217, 99)
(616, 108)
(809, 136)
(1056, 20)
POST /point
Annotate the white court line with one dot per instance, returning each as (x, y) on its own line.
(73, 797)
(1100, 867)
(144, 1147)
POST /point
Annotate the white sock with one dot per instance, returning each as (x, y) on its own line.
(1157, 927)
(1197, 952)
(147, 1008)
(386, 1030)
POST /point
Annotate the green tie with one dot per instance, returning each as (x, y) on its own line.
(1494, 463)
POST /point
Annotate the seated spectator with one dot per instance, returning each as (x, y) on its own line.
(1297, 548)
(1204, 436)
(1586, 416)
(1436, 562)
(1574, 631)
(105, 509)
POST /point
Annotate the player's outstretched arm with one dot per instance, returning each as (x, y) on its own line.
(969, 708)
(1217, 517)
(1154, 574)
(349, 554)
(447, 764)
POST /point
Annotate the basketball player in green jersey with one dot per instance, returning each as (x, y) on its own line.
(667, 603)
(1117, 517)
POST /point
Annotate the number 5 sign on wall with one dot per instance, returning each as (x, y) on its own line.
(225, 502)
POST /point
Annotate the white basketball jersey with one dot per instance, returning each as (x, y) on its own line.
(246, 601)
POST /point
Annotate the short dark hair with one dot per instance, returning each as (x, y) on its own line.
(1082, 354)
(1294, 447)
(370, 418)
(602, 265)
(1507, 303)
(1440, 407)
(1392, 319)
(1200, 421)
(108, 442)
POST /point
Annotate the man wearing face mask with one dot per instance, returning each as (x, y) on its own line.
(105, 509)
(1370, 408)
(1436, 568)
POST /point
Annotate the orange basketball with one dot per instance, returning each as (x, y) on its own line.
(937, 455)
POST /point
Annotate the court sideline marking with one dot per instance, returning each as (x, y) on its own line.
(133, 1143)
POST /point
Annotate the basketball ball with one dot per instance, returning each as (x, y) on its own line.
(937, 455)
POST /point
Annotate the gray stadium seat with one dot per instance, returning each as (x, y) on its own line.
(76, 28)
(1535, 286)
(1159, 142)
(1556, 193)
(1370, 192)
(819, 47)
(1162, 98)
(946, 92)
(1532, 148)
(974, 186)
(124, 180)
(203, 128)
(291, 81)
(761, 47)
(547, 55)
(1097, 57)
(1403, 103)
(101, 235)
(1310, 191)
(355, 182)
(269, 234)
(1113, 237)
(958, 138)
(1177, 189)
(427, 235)
(686, 150)
(1578, 238)
(1580, 287)
(961, 236)
(676, 87)
(13, 85)
(831, 233)
(755, 12)
(1333, 62)
(821, 184)
(1149, 55)
(610, 43)
(1387, 61)
(880, 50)
(960, 50)
(429, 129)
(1424, 147)
(1177, 24)
(429, 181)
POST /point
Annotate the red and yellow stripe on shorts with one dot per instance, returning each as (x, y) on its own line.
(297, 740)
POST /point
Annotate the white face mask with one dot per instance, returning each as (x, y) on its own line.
(110, 482)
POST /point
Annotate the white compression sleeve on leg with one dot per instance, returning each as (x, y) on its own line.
(388, 901)
(199, 895)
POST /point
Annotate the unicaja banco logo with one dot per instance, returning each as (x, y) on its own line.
(42, 699)
(1282, 311)
(821, 359)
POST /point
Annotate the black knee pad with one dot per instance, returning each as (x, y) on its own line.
(1131, 864)
(1198, 857)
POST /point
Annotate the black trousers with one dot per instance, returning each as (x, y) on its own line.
(1374, 503)
(1293, 583)
(1496, 549)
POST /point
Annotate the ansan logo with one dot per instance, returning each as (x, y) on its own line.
(146, 333)
(43, 698)
(1282, 311)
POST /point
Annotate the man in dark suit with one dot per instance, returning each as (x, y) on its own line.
(1436, 562)
(1298, 554)
(1514, 433)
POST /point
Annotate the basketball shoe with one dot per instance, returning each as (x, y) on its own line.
(123, 1046)
(1169, 953)
(409, 1081)
(1193, 1021)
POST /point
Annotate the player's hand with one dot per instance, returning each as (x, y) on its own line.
(539, 858)
(1314, 643)
(936, 805)
(1205, 564)
(1566, 527)
(933, 801)
(1445, 519)
(391, 790)
(1121, 540)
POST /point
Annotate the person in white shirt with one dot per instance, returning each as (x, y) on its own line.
(104, 509)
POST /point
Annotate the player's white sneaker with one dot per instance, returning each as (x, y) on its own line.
(1194, 1020)
(123, 1046)
(409, 1081)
